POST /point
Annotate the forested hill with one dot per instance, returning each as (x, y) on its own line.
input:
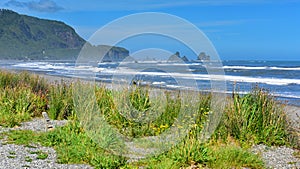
(26, 37)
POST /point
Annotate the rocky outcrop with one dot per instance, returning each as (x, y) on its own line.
(177, 58)
(203, 57)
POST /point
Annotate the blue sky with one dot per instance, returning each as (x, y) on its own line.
(239, 29)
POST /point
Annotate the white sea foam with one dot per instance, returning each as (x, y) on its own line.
(173, 86)
(289, 95)
(271, 81)
(45, 66)
(285, 68)
(42, 65)
(245, 79)
(261, 68)
(159, 83)
(179, 64)
(245, 67)
(191, 70)
(96, 69)
(30, 64)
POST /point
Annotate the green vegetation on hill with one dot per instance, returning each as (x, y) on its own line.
(26, 37)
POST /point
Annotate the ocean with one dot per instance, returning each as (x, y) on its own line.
(280, 78)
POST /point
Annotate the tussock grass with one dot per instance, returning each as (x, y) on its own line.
(19, 104)
(128, 120)
(71, 144)
(249, 119)
(255, 118)
(60, 101)
(23, 96)
(12, 80)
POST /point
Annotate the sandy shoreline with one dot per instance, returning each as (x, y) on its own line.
(293, 113)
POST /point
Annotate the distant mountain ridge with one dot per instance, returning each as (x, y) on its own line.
(26, 37)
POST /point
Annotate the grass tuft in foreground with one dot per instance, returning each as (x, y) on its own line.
(255, 118)
(19, 104)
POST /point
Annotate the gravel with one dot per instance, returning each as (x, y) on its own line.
(20, 156)
(277, 157)
(37, 124)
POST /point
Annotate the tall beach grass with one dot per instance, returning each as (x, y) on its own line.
(249, 119)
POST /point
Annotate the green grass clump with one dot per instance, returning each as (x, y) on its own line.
(192, 151)
(28, 159)
(12, 80)
(255, 118)
(230, 156)
(72, 145)
(60, 101)
(125, 120)
(19, 104)
(40, 154)
(23, 96)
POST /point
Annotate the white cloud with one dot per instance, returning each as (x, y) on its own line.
(40, 6)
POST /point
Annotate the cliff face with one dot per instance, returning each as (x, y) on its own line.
(26, 37)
